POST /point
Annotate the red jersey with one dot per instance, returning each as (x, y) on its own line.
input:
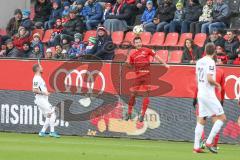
(220, 78)
(141, 58)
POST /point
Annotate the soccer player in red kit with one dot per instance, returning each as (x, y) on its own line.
(140, 60)
(220, 78)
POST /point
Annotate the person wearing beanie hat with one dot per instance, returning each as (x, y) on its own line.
(23, 36)
(91, 43)
(148, 14)
(66, 9)
(11, 50)
(78, 5)
(14, 23)
(78, 47)
(36, 53)
(37, 41)
(48, 54)
(26, 21)
(93, 13)
(78, 37)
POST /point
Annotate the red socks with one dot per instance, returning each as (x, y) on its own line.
(203, 135)
(216, 139)
(145, 105)
(131, 103)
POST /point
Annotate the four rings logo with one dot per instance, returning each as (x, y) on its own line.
(79, 80)
(232, 87)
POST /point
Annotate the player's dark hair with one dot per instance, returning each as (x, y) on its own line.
(35, 68)
(210, 49)
(137, 38)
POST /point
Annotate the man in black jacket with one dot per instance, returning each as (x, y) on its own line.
(231, 45)
(104, 48)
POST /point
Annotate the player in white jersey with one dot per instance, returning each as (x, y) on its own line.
(41, 100)
(209, 105)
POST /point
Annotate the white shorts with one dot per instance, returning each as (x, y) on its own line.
(45, 107)
(209, 106)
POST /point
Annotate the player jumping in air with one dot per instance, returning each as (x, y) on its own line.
(41, 100)
(209, 105)
(220, 78)
(140, 60)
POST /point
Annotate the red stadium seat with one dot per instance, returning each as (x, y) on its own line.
(146, 37)
(129, 37)
(183, 38)
(3, 32)
(171, 39)
(176, 56)
(117, 37)
(47, 35)
(200, 39)
(40, 31)
(162, 54)
(88, 34)
(157, 39)
(120, 55)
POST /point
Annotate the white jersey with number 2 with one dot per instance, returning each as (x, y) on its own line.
(205, 66)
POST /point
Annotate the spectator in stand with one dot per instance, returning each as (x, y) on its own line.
(221, 56)
(27, 23)
(148, 15)
(231, 45)
(163, 16)
(20, 38)
(206, 17)
(178, 17)
(91, 43)
(237, 60)
(93, 13)
(74, 25)
(11, 50)
(103, 48)
(107, 11)
(58, 28)
(3, 50)
(120, 17)
(49, 54)
(65, 43)
(42, 11)
(60, 53)
(78, 47)
(36, 53)
(66, 9)
(14, 23)
(220, 20)
(191, 52)
(78, 5)
(26, 52)
(55, 14)
(140, 6)
(37, 41)
(215, 38)
(192, 12)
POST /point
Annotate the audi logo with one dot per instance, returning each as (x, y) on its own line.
(236, 87)
(68, 80)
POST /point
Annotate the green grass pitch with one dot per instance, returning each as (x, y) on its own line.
(31, 147)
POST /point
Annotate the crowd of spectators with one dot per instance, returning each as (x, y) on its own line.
(70, 19)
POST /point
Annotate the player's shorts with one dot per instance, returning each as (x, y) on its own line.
(142, 82)
(44, 105)
(209, 106)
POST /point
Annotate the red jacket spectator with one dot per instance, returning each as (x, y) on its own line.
(23, 36)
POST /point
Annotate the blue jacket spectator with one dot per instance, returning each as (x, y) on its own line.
(66, 9)
(93, 13)
(148, 15)
(26, 21)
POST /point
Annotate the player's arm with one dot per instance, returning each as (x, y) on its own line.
(211, 70)
(213, 82)
(160, 60)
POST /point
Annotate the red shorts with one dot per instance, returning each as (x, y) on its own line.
(142, 82)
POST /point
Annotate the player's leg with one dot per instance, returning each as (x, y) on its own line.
(131, 104)
(52, 125)
(198, 134)
(217, 137)
(145, 103)
(42, 133)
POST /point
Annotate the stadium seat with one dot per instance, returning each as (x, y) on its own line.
(200, 39)
(47, 35)
(92, 33)
(146, 37)
(3, 32)
(129, 37)
(157, 39)
(175, 56)
(117, 37)
(162, 54)
(40, 31)
(171, 39)
(183, 38)
(120, 55)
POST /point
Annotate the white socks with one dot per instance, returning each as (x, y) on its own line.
(198, 133)
(46, 124)
(52, 122)
(215, 129)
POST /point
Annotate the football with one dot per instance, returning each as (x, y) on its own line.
(138, 29)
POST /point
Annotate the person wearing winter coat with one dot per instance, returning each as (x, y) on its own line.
(27, 23)
(11, 50)
(21, 37)
(14, 23)
(231, 45)
(148, 14)
(42, 10)
(92, 13)
(191, 52)
(36, 53)
(37, 41)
